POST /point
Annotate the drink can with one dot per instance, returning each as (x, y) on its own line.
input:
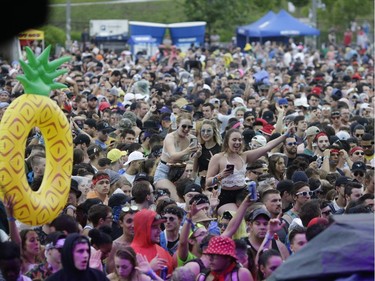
(252, 189)
(164, 273)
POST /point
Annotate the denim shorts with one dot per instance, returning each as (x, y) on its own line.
(161, 172)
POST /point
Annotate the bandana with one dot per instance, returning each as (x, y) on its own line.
(319, 135)
(101, 177)
(221, 276)
(335, 151)
(235, 126)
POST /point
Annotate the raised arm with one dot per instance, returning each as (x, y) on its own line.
(253, 155)
(13, 229)
(274, 226)
(235, 222)
(183, 244)
(280, 115)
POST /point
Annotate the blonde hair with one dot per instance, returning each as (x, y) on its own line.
(216, 133)
(183, 116)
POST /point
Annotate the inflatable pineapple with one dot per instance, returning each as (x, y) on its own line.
(36, 109)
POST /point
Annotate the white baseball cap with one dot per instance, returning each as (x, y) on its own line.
(134, 156)
(129, 97)
(260, 139)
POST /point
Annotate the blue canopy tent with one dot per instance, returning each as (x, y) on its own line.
(283, 24)
(251, 30)
(277, 27)
(185, 34)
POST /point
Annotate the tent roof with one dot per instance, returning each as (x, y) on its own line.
(276, 25)
(283, 24)
(344, 249)
(251, 30)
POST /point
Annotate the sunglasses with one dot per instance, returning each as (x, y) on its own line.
(257, 173)
(359, 153)
(326, 213)
(227, 215)
(367, 146)
(171, 219)
(305, 193)
(358, 173)
(358, 135)
(187, 126)
(222, 225)
(291, 143)
(132, 208)
(318, 191)
(212, 188)
(160, 193)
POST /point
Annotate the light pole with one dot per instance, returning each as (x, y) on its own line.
(313, 19)
(68, 26)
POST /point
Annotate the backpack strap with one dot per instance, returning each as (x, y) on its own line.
(235, 273)
(202, 267)
(201, 277)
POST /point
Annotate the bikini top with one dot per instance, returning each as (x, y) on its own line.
(237, 178)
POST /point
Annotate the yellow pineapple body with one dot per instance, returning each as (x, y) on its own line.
(23, 114)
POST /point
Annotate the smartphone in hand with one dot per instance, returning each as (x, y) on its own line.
(194, 142)
(230, 167)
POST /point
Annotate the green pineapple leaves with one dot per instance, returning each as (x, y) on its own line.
(39, 73)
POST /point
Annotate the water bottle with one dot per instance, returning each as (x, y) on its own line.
(174, 121)
(252, 189)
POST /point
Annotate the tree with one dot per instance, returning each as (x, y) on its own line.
(343, 11)
(218, 14)
(300, 3)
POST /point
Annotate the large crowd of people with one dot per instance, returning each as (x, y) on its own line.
(168, 148)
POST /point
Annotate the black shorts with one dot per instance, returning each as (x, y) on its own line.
(229, 196)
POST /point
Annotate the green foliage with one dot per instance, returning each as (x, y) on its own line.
(339, 14)
(168, 11)
(219, 14)
(53, 35)
(222, 16)
(300, 3)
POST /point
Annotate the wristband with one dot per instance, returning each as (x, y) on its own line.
(189, 220)
(214, 180)
(11, 219)
(71, 207)
(151, 274)
(219, 177)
